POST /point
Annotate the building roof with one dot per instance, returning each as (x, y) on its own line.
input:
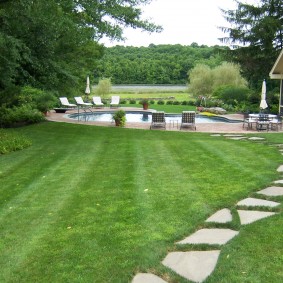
(277, 69)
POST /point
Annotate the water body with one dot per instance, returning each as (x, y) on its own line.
(142, 117)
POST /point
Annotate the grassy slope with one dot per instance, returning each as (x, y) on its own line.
(94, 204)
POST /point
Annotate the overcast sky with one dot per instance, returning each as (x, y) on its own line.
(183, 21)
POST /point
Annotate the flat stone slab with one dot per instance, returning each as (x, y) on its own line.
(210, 236)
(256, 139)
(278, 182)
(221, 216)
(257, 202)
(215, 135)
(232, 135)
(250, 216)
(195, 266)
(280, 168)
(272, 191)
(147, 278)
(237, 138)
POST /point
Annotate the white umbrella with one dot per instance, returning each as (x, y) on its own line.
(87, 90)
(263, 104)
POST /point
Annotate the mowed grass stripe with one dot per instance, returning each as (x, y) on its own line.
(114, 201)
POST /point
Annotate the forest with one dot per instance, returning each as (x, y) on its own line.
(155, 64)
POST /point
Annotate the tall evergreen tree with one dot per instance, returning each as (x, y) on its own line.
(256, 36)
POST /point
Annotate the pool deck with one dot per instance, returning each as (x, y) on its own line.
(218, 127)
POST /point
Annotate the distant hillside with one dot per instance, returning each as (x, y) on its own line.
(155, 64)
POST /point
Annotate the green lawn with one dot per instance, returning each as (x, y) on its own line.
(98, 204)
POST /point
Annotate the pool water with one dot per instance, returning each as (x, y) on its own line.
(142, 117)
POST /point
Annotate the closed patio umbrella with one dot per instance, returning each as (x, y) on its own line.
(87, 90)
(263, 104)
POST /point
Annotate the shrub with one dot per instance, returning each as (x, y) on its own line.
(12, 141)
(191, 103)
(169, 102)
(18, 116)
(160, 102)
(231, 94)
(176, 102)
(151, 101)
(123, 101)
(132, 101)
(184, 102)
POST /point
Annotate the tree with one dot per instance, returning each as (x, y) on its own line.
(256, 36)
(103, 88)
(201, 80)
(204, 80)
(53, 44)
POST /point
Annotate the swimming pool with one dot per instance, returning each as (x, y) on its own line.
(145, 117)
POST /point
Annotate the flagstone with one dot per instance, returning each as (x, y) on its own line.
(280, 168)
(210, 236)
(237, 138)
(195, 265)
(232, 135)
(278, 182)
(257, 202)
(272, 191)
(250, 216)
(215, 135)
(256, 138)
(147, 278)
(221, 216)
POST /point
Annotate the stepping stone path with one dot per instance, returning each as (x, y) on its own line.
(256, 139)
(257, 202)
(196, 266)
(272, 191)
(210, 236)
(147, 277)
(248, 216)
(221, 216)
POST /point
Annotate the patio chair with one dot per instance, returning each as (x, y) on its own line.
(64, 101)
(248, 121)
(188, 119)
(158, 120)
(263, 122)
(115, 101)
(97, 101)
(80, 102)
(276, 123)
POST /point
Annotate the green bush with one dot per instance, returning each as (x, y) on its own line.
(160, 102)
(169, 102)
(123, 101)
(231, 94)
(176, 102)
(132, 101)
(151, 101)
(18, 116)
(11, 142)
(191, 103)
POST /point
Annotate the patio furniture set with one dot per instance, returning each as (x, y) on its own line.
(262, 122)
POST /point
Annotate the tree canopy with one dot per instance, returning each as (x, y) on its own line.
(54, 44)
(256, 36)
(155, 64)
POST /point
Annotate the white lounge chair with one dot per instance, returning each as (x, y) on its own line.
(80, 102)
(188, 119)
(158, 120)
(115, 101)
(64, 101)
(97, 101)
